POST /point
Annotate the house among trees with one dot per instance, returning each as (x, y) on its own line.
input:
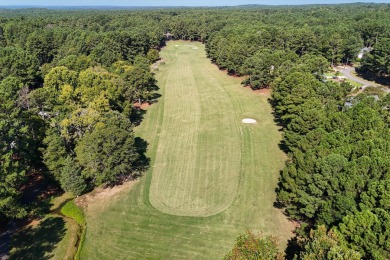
(363, 51)
(349, 102)
(169, 36)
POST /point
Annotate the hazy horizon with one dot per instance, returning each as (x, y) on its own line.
(162, 3)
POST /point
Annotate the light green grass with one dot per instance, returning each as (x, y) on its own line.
(71, 210)
(52, 237)
(197, 166)
(67, 248)
(212, 177)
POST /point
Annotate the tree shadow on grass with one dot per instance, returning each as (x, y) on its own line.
(40, 241)
(284, 147)
(143, 162)
(380, 79)
(137, 115)
(154, 98)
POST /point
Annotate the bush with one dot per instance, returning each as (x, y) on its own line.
(71, 210)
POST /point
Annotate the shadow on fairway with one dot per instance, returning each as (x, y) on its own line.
(143, 162)
(137, 115)
(40, 241)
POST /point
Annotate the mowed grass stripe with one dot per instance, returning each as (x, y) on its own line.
(177, 145)
(197, 165)
(129, 227)
(219, 143)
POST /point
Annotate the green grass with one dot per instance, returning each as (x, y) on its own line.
(353, 83)
(212, 177)
(67, 248)
(52, 236)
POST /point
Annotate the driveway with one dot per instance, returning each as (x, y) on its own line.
(348, 73)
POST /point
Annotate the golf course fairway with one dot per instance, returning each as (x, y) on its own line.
(211, 176)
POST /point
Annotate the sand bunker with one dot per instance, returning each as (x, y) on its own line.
(195, 48)
(177, 45)
(248, 121)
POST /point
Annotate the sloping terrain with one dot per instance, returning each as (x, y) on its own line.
(211, 176)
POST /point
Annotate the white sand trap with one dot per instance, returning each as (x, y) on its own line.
(248, 121)
(195, 48)
(177, 45)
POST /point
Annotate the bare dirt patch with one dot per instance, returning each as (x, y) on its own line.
(33, 223)
(142, 105)
(101, 197)
(263, 91)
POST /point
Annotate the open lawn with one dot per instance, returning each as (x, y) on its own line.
(211, 176)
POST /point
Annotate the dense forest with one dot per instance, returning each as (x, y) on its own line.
(69, 81)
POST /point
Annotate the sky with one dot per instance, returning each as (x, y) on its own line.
(175, 2)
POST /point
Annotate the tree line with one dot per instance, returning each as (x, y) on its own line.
(67, 91)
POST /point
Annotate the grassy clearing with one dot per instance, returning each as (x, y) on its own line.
(197, 166)
(212, 177)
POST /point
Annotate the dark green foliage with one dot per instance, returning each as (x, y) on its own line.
(106, 52)
(263, 67)
(139, 83)
(77, 62)
(71, 179)
(18, 140)
(108, 152)
(54, 153)
(19, 63)
(339, 160)
(376, 196)
(152, 55)
(53, 95)
(378, 60)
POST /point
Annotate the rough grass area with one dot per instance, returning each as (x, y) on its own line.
(354, 83)
(212, 177)
(71, 210)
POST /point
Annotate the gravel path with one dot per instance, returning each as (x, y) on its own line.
(348, 73)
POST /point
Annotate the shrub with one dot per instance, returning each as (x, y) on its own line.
(71, 210)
